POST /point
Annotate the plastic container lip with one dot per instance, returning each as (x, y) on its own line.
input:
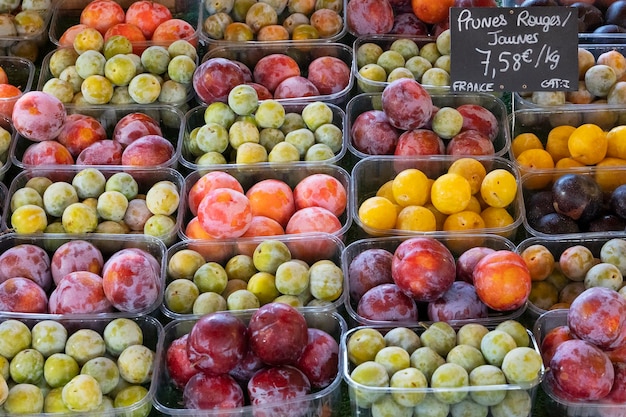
(178, 328)
(390, 243)
(3, 197)
(219, 42)
(46, 15)
(102, 112)
(154, 175)
(239, 50)
(365, 101)
(66, 13)
(291, 173)
(352, 384)
(45, 75)
(195, 115)
(5, 158)
(148, 324)
(152, 245)
(372, 166)
(236, 246)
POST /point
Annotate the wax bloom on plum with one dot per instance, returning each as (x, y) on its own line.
(38, 116)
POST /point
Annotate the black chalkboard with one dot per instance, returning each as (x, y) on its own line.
(514, 48)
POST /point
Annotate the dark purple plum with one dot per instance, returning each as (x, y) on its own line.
(610, 29)
(607, 223)
(577, 196)
(460, 302)
(538, 205)
(532, 3)
(368, 269)
(615, 14)
(617, 201)
(556, 224)
(589, 16)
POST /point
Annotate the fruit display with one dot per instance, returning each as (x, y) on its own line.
(104, 275)
(207, 276)
(289, 363)
(81, 200)
(425, 195)
(567, 139)
(601, 71)
(132, 136)
(16, 78)
(279, 133)
(87, 366)
(566, 339)
(574, 201)
(248, 201)
(381, 59)
(96, 72)
(144, 22)
(405, 280)
(442, 370)
(469, 125)
(24, 27)
(562, 269)
(297, 20)
(289, 72)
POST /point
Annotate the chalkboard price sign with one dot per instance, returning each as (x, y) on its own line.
(514, 48)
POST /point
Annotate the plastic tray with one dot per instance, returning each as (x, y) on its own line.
(221, 251)
(109, 244)
(453, 242)
(152, 332)
(360, 394)
(38, 37)
(169, 117)
(291, 174)
(67, 13)
(5, 157)
(334, 38)
(303, 52)
(371, 101)
(45, 75)
(168, 399)
(369, 174)
(144, 177)
(3, 197)
(21, 74)
(194, 118)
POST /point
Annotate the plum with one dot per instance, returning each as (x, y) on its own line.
(460, 302)
(373, 134)
(387, 302)
(211, 392)
(276, 388)
(320, 359)
(407, 104)
(179, 367)
(368, 269)
(577, 196)
(365, 17)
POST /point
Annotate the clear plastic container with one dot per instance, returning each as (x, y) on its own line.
(194, 118)
(21, 74)
(37, 37)
(369, 174)
(204, 36)
(45, 74)
(456, 243)
(152, 332)
(5, 157)
(562, 406)
(385, 41)
(310, 249)
(303, 52)
(362, 396)
(109, 245)
(67, 13)
(537, 181)
(168, 399)
(291, 174)
(170, 120)
(371, 101)
(145, 178)
(557, 245)
(3, 197)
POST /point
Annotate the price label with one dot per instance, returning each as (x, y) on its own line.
(514, 49)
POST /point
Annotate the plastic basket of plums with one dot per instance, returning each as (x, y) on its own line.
(266, 374)
(243, 274)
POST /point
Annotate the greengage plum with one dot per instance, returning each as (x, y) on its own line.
(277, 333)
(79, 292)
(460, 302)
(368, 269)
(423, 268)
(27, 261)
(21, 295)
(214, 78)
(276, 388)
(590, 382)
(387, 302)
(407, 104)
(373, 134)
(216, 343)
(75, 255)
(365, 17)
(211, 392)
(320, 359)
